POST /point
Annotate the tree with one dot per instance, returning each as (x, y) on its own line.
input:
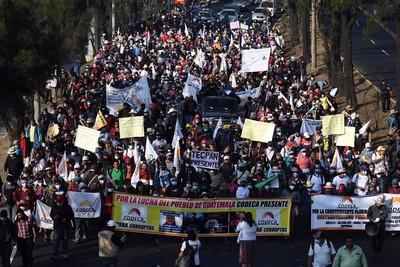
(35, 36)
(304, 10)
(293, 22)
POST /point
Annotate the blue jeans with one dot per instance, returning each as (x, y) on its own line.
(109, 261)
(81, 229)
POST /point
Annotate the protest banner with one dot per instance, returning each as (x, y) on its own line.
(87, 138)
(205, 159)
(85, 205)
(332, 124)
(255, 60)
(346, 139)
(130, 127)
(234, 25)
(208, 217)
(350, 213)
(134, 95)
(258, 130)
(244, 26)
(310, 126)
(42, 216)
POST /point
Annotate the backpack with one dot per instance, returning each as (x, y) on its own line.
(187, 258)
(329, 246)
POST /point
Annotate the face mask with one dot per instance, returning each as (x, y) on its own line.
(295, 174)
(23, 184)
(109, 190)
(101, 181)
(22, 208)
(174, 182)
(371, 169)
(379, 175)
(57, 186)
(259, 165)
(40, 184)
(187, 164)
(303, 153)
(291, 187)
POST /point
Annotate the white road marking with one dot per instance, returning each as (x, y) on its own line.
(372, 41)
(386, 53)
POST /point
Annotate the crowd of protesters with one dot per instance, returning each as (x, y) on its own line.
(163, 49)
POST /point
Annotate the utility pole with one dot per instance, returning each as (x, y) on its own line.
(313, 36)
(112, 17)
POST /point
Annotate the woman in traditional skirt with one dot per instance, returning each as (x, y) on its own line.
(247, 236)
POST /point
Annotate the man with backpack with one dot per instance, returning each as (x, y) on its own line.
(189, 253)
(321, 252)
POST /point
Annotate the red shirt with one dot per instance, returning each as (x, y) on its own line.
(25, 228)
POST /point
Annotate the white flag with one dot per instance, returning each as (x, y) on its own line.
(337, 160)
(223, 66)
(232, 42)
(192, 87)
(62, 169)
(186, 31)
(199, 58)
(232, 79)
(239, 122)
(255, 60)
(177, 134)
(135, 175)
(364, 128)
(43, 219)
(150, 154)
(177, 157)
(217, 127)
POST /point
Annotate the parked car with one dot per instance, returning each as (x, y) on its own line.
(205, 14)
(242, 5)
(258, 15)
(230, 14)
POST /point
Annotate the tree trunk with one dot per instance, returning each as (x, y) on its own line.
(324, 27)
(396, 90)
(348, 18)
(305, 32)
(334, 45)
(293, 19)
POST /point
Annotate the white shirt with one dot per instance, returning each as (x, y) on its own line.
(246, 232)
(242, 192)
(337, 181)
(318, 182)
(196, 254)
(322, 254)
(362, 181)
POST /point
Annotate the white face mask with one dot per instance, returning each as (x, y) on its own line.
(291, 187)
(101, 181)
(57, 186)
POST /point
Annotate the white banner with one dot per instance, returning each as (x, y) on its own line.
(85, 205)
(42, 216)
(205, 159)
(133, 95)
(253, 93)
(350, 213)
(254, 60)
(87, 138)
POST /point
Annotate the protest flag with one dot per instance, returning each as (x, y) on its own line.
(364, 128)
(177, 157)
(150, 154)
(62, 168)
(239, 122)
(217, 127)
(135, 175)
(177, 134)
(100, 121)
(186, 31)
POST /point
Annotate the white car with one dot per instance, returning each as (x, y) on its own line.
(228, 13)
(258, 15)
(269, 5)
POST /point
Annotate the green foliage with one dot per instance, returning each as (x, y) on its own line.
(35, 35)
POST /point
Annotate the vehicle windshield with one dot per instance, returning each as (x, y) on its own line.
(259, 10)
(229, 12)
(267, 4)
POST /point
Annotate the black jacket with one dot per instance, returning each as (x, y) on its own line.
(6, 232)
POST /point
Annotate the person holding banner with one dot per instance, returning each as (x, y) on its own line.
(377, 214)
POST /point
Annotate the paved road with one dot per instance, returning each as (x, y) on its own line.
(143, 251)
(374, 55)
